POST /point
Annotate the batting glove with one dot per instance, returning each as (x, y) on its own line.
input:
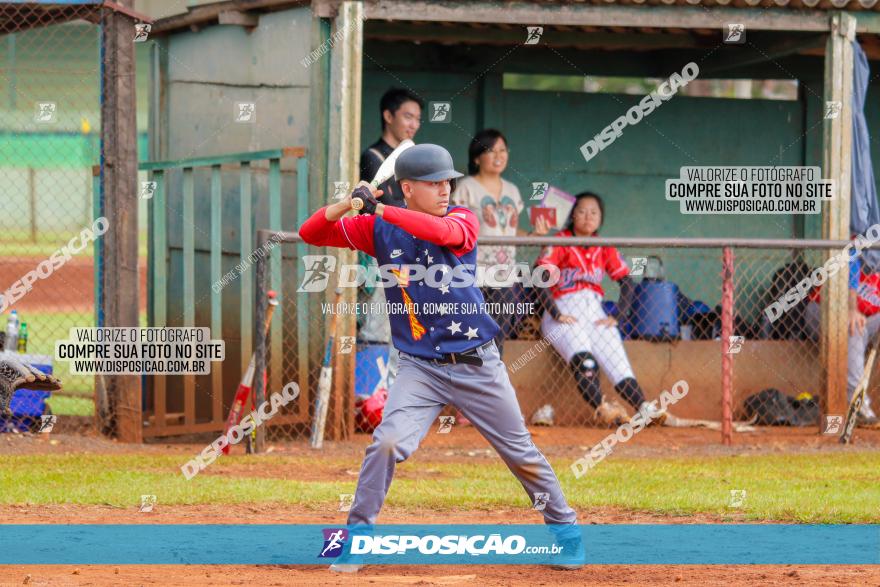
(364, 194)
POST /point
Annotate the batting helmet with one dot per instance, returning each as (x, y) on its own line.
(368, 412)
(425, 162)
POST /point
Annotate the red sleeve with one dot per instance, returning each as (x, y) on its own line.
(353, 232)
(615, 266)
(552, 256)
(457, 230)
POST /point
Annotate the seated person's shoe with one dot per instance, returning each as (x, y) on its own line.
(653, 414)
(610, 414)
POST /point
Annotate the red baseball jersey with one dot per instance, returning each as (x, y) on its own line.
(867, 294)
(583, 267)
(867, 288)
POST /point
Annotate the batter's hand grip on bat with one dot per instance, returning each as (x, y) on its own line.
(362, 199)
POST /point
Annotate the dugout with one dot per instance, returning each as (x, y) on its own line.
(473, 55)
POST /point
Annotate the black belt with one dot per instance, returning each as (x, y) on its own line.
(468, 357)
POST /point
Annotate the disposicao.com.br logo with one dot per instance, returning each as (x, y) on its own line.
(320, 268)
(450, 544)
(334, 542)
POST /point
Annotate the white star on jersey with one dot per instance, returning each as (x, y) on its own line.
(471, 333)
(444, 289)
(454, 327)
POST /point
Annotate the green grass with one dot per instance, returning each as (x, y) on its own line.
(64, 405)
(816, 488)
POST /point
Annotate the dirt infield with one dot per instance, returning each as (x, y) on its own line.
(464, 445)
(76, 279)
(484, 575)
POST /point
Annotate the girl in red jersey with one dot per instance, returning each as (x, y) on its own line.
(575, 323)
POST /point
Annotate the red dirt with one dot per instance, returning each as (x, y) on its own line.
(484, 575)
(463, 444)
(70, 288)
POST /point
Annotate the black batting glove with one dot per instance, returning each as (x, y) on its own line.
(363, 193)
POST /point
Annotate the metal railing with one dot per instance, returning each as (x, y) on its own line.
(708, 267)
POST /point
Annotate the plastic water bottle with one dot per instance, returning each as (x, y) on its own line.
(11, 343)
(23, 338)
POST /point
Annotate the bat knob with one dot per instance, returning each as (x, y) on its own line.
(357, 203)
(271, 294)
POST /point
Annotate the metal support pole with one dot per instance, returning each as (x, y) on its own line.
(726, 356)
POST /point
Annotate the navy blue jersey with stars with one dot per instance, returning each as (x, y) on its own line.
(427, 320)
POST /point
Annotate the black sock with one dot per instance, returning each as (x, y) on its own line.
(629, 389)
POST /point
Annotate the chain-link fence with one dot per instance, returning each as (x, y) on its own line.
(50, 67)
(589, 349)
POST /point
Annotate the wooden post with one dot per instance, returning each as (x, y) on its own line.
(311, 196)
(837, 165)
(120, 207)
(217, 414)
(302, 298)
(345, 130)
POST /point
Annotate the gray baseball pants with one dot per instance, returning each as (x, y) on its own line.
(856, 353)
(485, 396)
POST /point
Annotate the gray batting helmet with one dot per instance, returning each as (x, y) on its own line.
(425, 162)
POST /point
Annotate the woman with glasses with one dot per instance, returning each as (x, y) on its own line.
(575, 322)
(498, 204)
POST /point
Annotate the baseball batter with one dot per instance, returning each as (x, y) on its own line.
(575, 322)
(445, 357)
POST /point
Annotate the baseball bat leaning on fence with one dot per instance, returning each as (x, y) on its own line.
(323, 396)
(385, 171)
(855, 404)
(247, 381)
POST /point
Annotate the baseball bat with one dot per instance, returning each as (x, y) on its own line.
(858, 397)
(322, 401)
(247, 381)
(385, 171)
